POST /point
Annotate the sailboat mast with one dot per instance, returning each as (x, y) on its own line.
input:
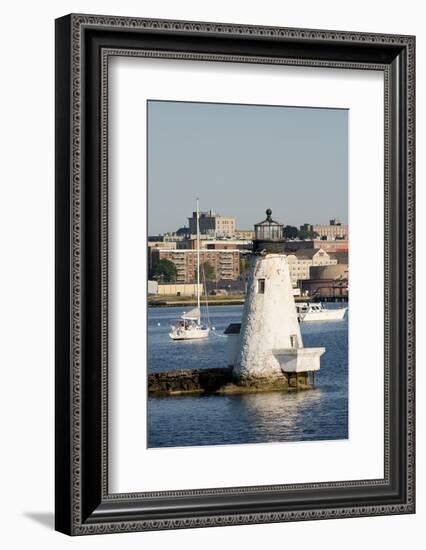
(198, 259)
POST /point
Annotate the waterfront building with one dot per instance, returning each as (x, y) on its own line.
(177, 289)
(328, 282)
(301, 262)
(267, 347)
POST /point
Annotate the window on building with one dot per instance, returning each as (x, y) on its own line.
(293, 341)
(261, 286)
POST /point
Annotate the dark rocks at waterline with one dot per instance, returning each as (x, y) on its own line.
(286, 382)
(189, 381)
(219, 381)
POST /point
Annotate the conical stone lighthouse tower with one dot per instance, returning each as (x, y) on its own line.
(269, 349)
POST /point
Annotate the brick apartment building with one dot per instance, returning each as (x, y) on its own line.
(225, 262)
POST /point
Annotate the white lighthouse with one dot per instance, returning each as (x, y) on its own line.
(268, 348)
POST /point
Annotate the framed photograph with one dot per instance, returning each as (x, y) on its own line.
(234, 274)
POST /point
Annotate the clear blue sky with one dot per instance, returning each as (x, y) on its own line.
(242, 159)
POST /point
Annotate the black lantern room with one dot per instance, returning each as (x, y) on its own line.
(269, 235)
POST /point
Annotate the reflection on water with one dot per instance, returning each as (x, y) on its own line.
(262, 417)
(263, 410)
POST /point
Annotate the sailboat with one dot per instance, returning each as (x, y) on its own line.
(189, 326)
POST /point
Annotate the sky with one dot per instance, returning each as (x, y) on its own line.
(242, 159)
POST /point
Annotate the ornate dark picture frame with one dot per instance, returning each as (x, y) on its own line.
(84, 44)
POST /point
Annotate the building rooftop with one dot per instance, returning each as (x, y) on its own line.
(341, 257)
(306, 253)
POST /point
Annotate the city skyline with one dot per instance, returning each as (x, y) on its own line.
(241, 159)
(240, 228)
(249, 228)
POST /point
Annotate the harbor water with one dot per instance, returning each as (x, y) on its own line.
(193, 420)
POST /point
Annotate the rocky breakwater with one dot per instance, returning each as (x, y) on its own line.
(188, 381)
(218, 381)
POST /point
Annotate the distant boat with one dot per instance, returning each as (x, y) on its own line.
(189, 326)
(317, 312)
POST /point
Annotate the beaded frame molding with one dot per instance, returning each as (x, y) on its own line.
(84, 44)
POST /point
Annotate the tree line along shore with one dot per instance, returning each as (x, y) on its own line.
(218, 300)
(173, 300)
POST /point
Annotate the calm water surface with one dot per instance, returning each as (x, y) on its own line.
(319, 414)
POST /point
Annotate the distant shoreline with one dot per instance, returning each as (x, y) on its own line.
(171, 303)
(176, 301)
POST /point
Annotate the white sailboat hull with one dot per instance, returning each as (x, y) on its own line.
(189, 334)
